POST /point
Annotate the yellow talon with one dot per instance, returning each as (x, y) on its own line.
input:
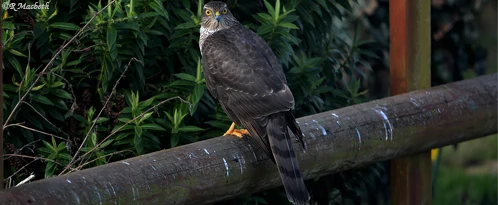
(236, 132)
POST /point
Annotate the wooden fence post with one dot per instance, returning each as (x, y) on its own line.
(410, 61)
(1, 110)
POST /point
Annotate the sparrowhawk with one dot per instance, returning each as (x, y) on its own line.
(243, 73)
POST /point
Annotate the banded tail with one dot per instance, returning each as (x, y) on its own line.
(285, 157)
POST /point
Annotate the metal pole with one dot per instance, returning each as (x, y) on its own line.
(410, 70)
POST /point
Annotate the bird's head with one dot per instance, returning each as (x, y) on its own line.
(216, 16)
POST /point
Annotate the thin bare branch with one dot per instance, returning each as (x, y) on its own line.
(31, 157)
(49, 64)
(122, 126)
(24, 146)
(17, 34)
(100, 113)
(48, 121)
(69, 84)
(93, 160)
(31, 176)
(87, 48)
(34, 130)
(20, 169)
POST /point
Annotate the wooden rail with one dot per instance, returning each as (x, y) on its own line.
(225, 167)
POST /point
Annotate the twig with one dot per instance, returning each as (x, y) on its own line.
(69, 84)
(24, 146)
(49, 64)
(27, 179)
(93, 160)
(17, 34)
(34, 130)
(53, 125)
(20, 169)
(132, 120)
(9, 184)
(76, 71)
(31, 157)
(87, 48)
(100, 113)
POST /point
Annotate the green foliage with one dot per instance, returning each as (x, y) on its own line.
(275, 29)
(57, 155)
(86, 125)
(137, 135)
(107, 82)
(457, 187)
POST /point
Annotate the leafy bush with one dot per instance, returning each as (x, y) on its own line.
(91, 82)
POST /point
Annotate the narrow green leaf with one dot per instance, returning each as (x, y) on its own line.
(158, 7)
(65, 26)
(154, 32)
(111, 36)
(287, 25)
(65, 156)
(170, 118)
(138, 130)
(174, 140)
(93, 139)
(264, 29)
(8, 25)
(277, 10)
(17, 53)
(102, 119)
(138, 142)
(61, 146)
(15, 63)
(126, 127)
(48, 145)
(148, 15)
(151, 126)
(269, 7)
(186, 76)
(105, 144)
(186, 25)
(265, 16)
(51, 15)
(62, 94)
(146, 116)
(145, 103)
(57, 84)
(190, 129)
(49, 169)
(41, 99)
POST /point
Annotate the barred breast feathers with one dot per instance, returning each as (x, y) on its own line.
(205, 33)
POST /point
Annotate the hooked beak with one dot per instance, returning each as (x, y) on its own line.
(217, 16)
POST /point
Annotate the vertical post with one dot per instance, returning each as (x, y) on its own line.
(1, 103)
(410, 57)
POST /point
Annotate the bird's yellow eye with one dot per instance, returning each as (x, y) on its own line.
(209, 12)
(224, 11)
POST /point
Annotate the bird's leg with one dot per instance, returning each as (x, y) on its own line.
(236, 132)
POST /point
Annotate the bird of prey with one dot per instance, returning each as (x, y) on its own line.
(243, 73)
